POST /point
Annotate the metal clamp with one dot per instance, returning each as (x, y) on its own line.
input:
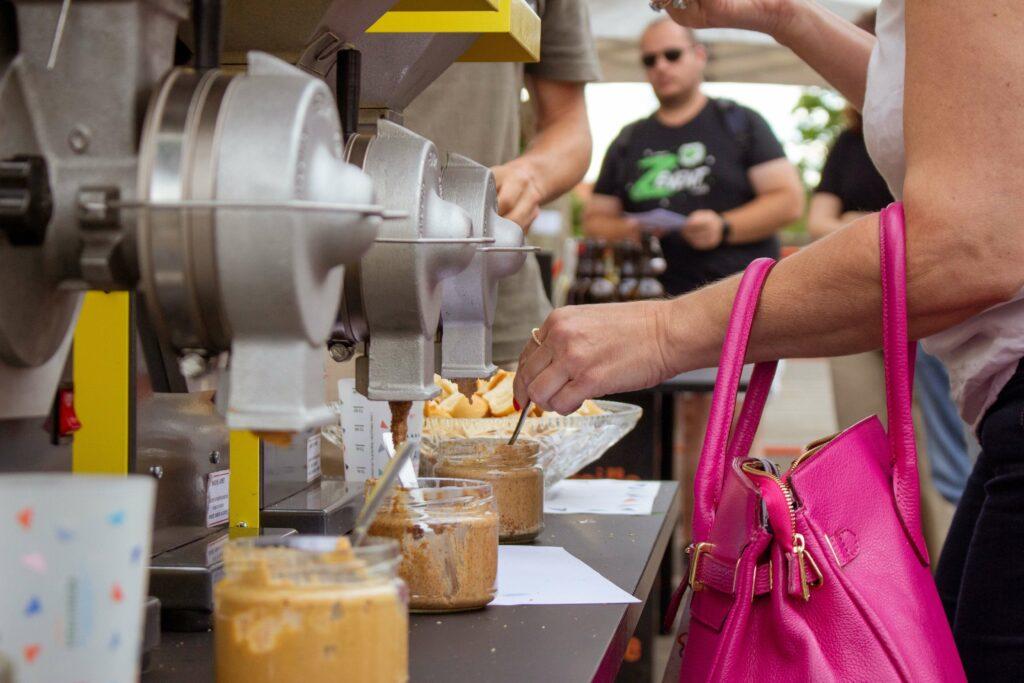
(92, 205)
(526, 249)
(435, 240)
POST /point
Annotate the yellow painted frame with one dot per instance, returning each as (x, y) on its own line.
(102, 378)
(510, 34)
(244, 485)
(446, 6)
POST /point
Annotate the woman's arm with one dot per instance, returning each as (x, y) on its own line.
(557, 157)
(832, 46)
(964, 208)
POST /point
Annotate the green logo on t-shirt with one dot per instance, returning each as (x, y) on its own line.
(652, 168)
(692, 154)
(665, 174)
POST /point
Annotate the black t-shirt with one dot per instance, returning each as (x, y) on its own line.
(700, 165)
(850, 175)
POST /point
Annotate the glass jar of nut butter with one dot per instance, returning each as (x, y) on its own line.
(513, 473)
(448, 533)
(311, 608)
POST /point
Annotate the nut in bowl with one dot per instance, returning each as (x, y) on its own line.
(567, 443)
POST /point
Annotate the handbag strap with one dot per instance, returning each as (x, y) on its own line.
(707, 486)
(899, 354)
(719, 450)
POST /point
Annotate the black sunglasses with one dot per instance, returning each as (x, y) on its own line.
(671, 56)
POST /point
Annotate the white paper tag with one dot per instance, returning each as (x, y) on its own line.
(313, 458)
(363, 423)
(217, 486)
(406, 473)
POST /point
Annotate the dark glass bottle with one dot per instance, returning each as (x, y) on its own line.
(584, 273)
(628, 254)
(602, 289)
(653, 264)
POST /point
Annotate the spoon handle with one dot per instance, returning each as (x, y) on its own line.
(376, 497)
(522, 421)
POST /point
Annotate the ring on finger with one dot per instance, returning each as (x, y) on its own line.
(658, 5)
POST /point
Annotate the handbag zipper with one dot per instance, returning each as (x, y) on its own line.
(804, 559)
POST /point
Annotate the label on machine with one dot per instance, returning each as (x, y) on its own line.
(313, 458)
(217, 484)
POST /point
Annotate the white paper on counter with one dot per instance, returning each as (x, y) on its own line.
(541, 575)
(601, 497)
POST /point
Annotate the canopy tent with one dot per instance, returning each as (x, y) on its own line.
(739, 56)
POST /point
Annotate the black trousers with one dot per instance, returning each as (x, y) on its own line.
(980, 574)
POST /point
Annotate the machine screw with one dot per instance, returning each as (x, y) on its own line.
(94, 208)
(79, 139)
(341, 351)
(157, 471)
(192, 365)
(215, 457)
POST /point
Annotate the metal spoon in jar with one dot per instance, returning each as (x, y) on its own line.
(529, 403)
(522, 421)
(373, 502)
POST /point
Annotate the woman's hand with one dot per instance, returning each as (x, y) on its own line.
(589, 351)
(754, 15)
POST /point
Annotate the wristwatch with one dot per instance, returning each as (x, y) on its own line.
(726, 230)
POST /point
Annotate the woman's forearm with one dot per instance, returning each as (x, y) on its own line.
(826, 300)
(829, 44)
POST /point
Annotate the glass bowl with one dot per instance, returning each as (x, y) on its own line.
(568, 444)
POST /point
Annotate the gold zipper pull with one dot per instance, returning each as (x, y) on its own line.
(803, 559)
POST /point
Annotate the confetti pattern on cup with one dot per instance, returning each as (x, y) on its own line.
(36, 562)
(24, 518)
(34, 606)
(74, 567)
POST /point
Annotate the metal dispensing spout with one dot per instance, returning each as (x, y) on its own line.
(470, 298)
(393, 302)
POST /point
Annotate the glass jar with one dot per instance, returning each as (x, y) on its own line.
(311, 608)
(448, 532)
(513, 473)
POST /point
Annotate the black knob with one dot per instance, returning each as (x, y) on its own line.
(26, 204)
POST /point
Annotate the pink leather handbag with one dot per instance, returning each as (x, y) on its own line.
(818, 573)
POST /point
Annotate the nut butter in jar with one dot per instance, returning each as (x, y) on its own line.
(311, 608)
(448, 532)
(513, 473)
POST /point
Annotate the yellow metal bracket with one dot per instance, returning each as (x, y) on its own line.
(102, 377)
(446, 6)
(244, 487)
(509, 34)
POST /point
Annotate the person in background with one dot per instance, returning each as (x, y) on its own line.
(473, 109)
(712, 161)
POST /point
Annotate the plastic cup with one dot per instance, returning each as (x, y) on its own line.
(74, 558)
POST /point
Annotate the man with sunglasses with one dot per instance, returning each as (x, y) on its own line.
(711, 161)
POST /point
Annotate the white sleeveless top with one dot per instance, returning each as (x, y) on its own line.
(981, 353)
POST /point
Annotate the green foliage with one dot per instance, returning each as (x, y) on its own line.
(820, 118)
(819, 114)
